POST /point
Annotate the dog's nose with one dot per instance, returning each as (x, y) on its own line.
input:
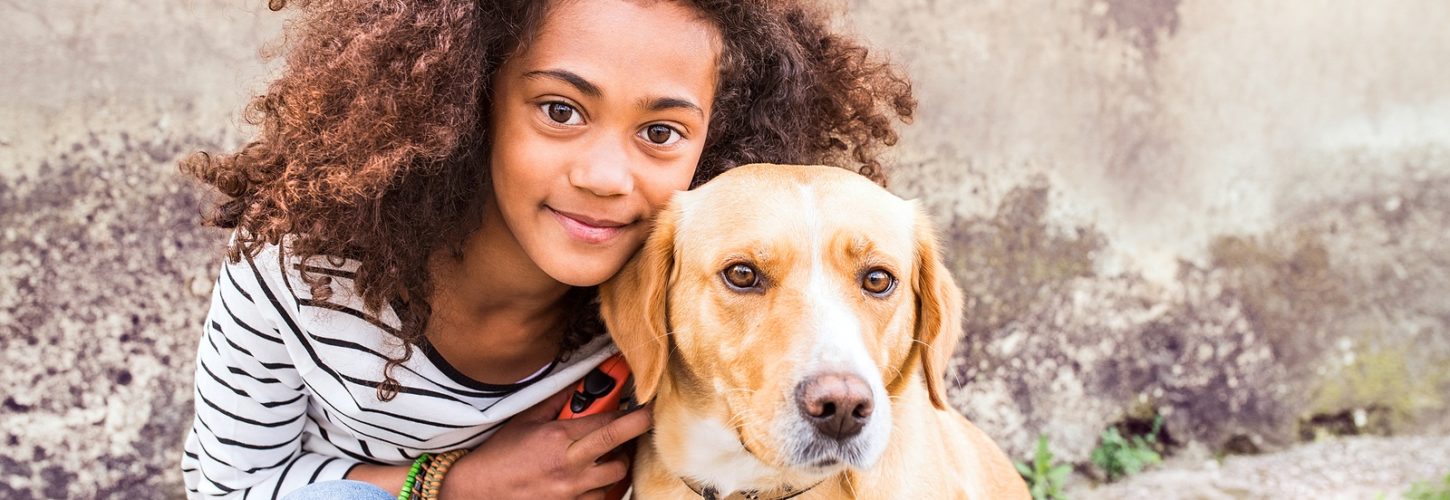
(838, 404)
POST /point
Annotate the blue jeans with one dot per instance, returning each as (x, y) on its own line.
(340, 490)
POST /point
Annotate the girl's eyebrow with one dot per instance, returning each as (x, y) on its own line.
(568, 77)
(589, 89)
(663, 103)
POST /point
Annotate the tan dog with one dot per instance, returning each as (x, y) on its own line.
(791, 325)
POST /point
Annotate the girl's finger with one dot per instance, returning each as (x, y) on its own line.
(604, 474)
(590, 447)
(594, 494)
(579, 428)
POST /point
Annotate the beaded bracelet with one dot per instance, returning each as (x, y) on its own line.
(407, 492)
(433, 481)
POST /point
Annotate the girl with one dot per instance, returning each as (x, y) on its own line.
(452, 178)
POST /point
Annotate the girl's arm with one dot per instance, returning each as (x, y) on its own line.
(250, 402)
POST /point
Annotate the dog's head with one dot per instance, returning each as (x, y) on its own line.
(782, 308)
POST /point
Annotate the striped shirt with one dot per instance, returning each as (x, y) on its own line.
(286, 386)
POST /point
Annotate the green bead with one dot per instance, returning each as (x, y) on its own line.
(407, 491)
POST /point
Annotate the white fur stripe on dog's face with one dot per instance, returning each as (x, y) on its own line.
(838, 345)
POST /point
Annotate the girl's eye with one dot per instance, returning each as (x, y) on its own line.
(561, 113)
(660, 135)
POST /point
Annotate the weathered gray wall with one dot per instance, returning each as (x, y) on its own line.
(104, 273)
(1229, 213)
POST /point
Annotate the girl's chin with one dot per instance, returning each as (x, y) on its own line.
(583, 271)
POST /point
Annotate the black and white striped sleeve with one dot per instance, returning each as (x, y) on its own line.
(251, 403)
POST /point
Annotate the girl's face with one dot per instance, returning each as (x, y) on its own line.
(595, 125)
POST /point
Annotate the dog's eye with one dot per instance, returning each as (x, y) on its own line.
(742, 276)
(878, 282)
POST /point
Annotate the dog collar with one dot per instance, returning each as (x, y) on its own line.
(781, 493)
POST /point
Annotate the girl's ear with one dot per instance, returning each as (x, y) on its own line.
(634, 306)
(938, 311)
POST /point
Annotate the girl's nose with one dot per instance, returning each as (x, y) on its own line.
(604, 169)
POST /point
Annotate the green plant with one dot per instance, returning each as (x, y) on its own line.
(1044, 479)
(1430, 490)
(1119, 456)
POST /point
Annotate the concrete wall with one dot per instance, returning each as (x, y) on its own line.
(1228, 213)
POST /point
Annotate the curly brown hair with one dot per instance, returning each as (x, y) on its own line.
(373, 143)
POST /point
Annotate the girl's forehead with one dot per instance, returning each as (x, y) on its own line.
(625, 49)
(645, 28)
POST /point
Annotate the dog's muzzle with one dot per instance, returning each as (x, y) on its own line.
(838, 405)
(835, 408)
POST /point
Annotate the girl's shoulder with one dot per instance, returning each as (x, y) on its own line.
(303, 284)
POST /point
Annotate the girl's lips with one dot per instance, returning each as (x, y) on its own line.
(586, 229)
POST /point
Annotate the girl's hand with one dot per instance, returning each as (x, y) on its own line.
(535, 457)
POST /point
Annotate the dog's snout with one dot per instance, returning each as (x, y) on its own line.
(838, 404)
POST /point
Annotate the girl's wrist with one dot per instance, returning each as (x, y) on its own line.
(388, 477)
(409, 491)
(429, 485)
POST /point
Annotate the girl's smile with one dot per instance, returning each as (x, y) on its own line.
(588, 229)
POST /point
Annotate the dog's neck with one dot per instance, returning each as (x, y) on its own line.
(780, 493)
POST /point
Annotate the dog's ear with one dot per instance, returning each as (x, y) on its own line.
(634, 306)
(938, 310)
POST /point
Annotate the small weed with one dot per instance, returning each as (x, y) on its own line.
(1119, 457)
(1044, 479)
(1430, 490)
